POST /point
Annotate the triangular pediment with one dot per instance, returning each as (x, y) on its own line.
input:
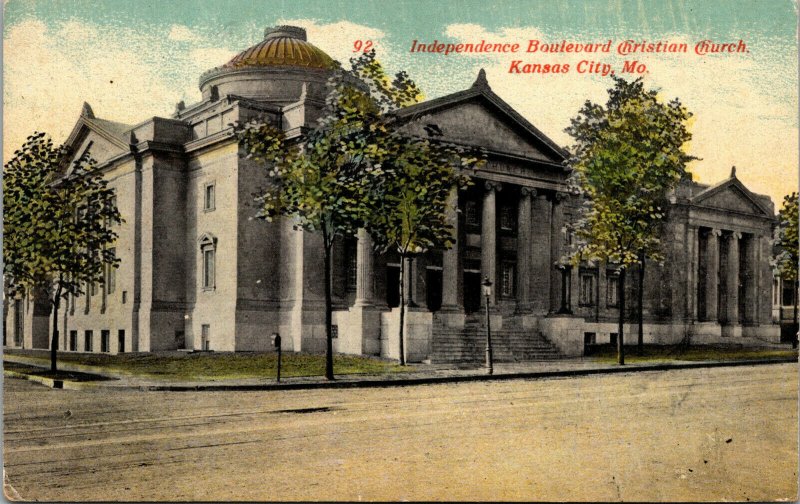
(731, 195)
(103, 139)
(479, 118)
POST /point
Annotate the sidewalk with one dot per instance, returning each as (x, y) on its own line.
(422, 374)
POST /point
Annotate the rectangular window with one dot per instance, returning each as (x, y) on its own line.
(788, 293)
(612, 289)
(508, 218)
(105, 336)
(352, 258)
(124, 297)
(208, 268)
(507, 279)
(205, 337)
(775, 292)
(87, 341)
(587, 289)
(73, 341)
(472, 213)
(121, 341)
(111, 275)
(208, 197)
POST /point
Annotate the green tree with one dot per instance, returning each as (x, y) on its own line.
(627, 157)
(58, 223)
(786, 249)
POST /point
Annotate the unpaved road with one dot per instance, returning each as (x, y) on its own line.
(711, 434)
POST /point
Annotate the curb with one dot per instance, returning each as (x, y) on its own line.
(53, 383)
(433, 380)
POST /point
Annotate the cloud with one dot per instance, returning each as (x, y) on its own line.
(181, 33)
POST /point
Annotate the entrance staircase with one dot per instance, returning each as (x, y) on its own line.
(512, 344)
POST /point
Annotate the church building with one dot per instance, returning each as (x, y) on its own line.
(198, 271)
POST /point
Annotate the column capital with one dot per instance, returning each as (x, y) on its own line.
(560, 196)
(491, 185)
(737, 235)
(715, 232)
(528, 191)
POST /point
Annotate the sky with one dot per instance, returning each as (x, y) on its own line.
(134, 59)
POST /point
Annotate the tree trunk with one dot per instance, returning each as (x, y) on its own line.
(402, 309)
(621, 330)
(640, 302)
(795, 326)
(328, 308)
(54, 339)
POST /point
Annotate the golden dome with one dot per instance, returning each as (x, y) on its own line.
(282, 46)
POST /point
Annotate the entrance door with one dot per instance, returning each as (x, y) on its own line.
(472, 291)
(433, 289)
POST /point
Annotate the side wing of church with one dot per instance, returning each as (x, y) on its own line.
(199, 272)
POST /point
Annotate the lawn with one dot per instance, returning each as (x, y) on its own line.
(669, 353)
(220, 365)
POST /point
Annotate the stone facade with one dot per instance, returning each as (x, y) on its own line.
(198, 271)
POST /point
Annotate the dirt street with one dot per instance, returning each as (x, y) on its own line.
(710, 434)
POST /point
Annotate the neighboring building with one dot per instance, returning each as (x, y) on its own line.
(199, 272)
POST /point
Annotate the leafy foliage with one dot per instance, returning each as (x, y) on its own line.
(57, 226)
(628, 155)
(786, 238)
(626, 158)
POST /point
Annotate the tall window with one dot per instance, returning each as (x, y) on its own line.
(105, 336)
(351, 256)
(121, 340)
(508, 218)
(87, 341)
(205, 337)
(208, 251)
(209, 196)
(208, 268)
(507, 279)
(612, 288)
(73, 341)
(111, 275)
(587, 289)
(472, 213)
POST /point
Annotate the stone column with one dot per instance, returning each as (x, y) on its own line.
(556, 249)
(692, 247)
(452, 269)
(365, 292)
(489, 238)
(524, 249)
(712, 275)
(541, 262)
(409, 281)
(732, 281)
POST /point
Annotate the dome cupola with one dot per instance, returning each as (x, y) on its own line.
(273, 70)
(283, 46)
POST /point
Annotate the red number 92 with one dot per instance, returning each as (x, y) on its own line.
(362, 45)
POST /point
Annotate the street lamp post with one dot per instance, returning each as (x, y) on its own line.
(276, 341)
(487, 292)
